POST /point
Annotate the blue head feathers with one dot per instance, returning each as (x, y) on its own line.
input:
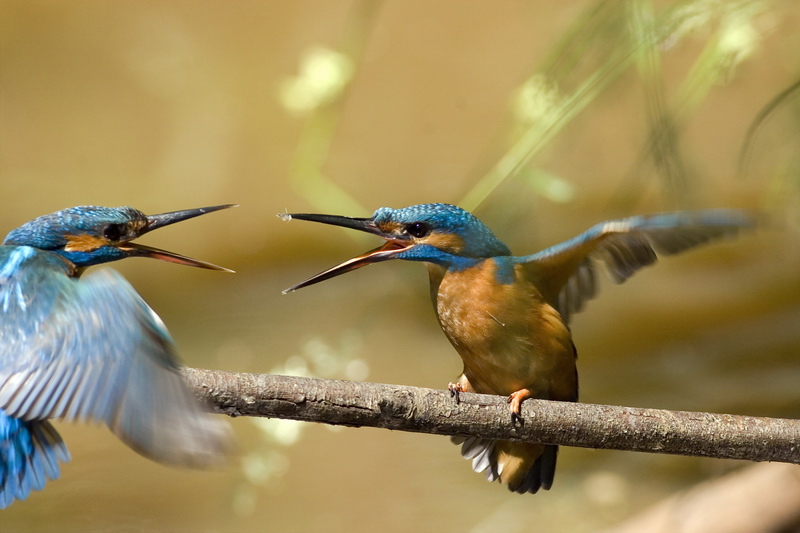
(90, 235)
(472, 237)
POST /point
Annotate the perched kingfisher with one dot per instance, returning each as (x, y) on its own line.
(508, 316)
(89, 348)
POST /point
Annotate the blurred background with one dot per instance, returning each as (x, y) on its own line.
(542, 118)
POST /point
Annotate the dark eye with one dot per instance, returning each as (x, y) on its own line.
(417, 229)
(114, 232)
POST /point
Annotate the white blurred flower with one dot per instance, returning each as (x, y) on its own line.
(323, 75)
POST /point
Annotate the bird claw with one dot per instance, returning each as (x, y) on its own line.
(515, 400)
(455, 389)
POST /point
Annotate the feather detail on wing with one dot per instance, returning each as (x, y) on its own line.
(565, 273)
(29, 456)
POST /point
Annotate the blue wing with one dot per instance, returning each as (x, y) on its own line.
(565, 273)
(92, 349)
(29, 455)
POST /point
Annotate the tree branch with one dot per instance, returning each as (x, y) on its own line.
(435, 411)
(764, 497)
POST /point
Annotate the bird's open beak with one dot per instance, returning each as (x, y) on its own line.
(165, 219)
(389, 250)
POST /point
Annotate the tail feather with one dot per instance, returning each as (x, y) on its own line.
(540, 475)
(523, 467)
(482, 454)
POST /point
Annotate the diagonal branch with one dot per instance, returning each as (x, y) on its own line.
(435, 411)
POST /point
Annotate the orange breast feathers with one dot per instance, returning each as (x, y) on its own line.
(507, 335)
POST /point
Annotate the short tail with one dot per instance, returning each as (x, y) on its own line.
(523, 467)
(29, 455)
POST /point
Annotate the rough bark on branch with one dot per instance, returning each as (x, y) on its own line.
(422, 410)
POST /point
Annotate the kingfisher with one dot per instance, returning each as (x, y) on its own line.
(88, 347)
(508, 316)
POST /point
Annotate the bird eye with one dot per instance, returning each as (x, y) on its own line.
(417, 229)
(114, 232)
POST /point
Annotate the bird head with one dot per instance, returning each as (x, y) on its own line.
(435, 233)
(90, 235)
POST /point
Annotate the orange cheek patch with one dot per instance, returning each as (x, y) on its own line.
(84, 243)
(444, 241)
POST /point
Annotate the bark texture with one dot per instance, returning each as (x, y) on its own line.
(434, 411)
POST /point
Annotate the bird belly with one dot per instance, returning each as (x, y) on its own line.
(508, 337)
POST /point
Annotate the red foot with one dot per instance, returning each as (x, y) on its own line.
(454, 389)
(515, 400)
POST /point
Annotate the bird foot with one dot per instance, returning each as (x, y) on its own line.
(515, 400)
(455, 389)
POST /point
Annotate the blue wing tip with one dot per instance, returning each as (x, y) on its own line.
(29, 455)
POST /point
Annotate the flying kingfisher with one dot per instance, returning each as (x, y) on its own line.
(508, 316)
(88, 347)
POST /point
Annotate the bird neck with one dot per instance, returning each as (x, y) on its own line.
(13, 257)
(502, 269)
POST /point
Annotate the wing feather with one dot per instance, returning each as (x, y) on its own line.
(564, 273)
(29, 456)
(92, 349)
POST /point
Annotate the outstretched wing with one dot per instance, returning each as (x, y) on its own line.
(29, 456)
(92, 349)
(566, 273)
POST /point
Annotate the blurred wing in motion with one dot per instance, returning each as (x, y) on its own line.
(565, 273)
(91, 349)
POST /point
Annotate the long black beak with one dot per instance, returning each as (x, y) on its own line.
(165, 219)
(393, 245)
(360, 224)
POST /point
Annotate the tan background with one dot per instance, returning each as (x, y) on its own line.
(175, 104)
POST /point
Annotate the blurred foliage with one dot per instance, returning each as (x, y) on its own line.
(607, 41)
